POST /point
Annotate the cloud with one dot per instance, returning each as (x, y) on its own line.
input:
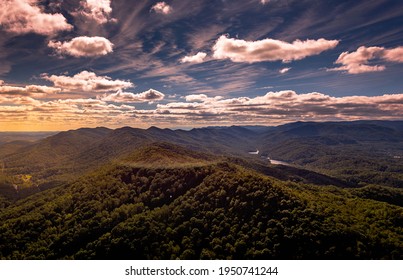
(29, 90)
(197, 58)
(201, 98)
(162, 8)
(284, 70)
(266, 87)
(150, 95)
(202, 37)
(394, 55)
(282, 106)
(86, 81)
(26, 16)
(197, 110)
(55, 5)
(269, 49)
(60, 114)
(97, 10)
(357, 62)
(83, 46)
(5, 52)
(196, 97)
(264, 2)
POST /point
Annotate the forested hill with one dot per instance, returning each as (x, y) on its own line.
(206, 209)
(297, 191)
(359, 153)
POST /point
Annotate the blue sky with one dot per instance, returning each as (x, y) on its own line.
(73, 63)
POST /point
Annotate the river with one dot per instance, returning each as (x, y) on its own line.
(278, 162)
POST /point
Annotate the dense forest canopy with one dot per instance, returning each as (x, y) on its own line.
(164, 194)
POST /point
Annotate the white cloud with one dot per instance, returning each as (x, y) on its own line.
(282, 106)
(284, 70)
(61, 113)
(26, 16)
(266, 87)
(86, 81)
(269, 49)
(97, 10)
(264, 2)
(196, 97)
(29, 90)
(198, 110)
(357, 62)
(83, 46)
(15, 99)
(197, 58)
(162, 8)
(201, 98)
(150, 95)
(394, 55)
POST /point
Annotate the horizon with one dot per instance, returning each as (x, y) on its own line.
(69, 64)
(198, 127)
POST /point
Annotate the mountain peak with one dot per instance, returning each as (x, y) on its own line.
(167, 155)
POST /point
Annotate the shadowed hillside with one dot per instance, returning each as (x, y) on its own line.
(332, 191)
(209, 211)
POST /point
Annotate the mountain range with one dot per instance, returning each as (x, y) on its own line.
(300, 190)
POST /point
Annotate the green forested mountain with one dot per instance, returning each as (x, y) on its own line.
(167, 194)
(360, 153)
(207, 209)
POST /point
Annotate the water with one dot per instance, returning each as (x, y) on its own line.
(272, 161)
(278, 162)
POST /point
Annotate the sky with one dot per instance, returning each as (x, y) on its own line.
(66, 64)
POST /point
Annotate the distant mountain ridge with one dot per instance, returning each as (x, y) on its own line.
(373, 148)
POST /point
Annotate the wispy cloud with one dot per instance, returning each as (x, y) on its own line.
(5, 65)
(203, 37)
(284, 70)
